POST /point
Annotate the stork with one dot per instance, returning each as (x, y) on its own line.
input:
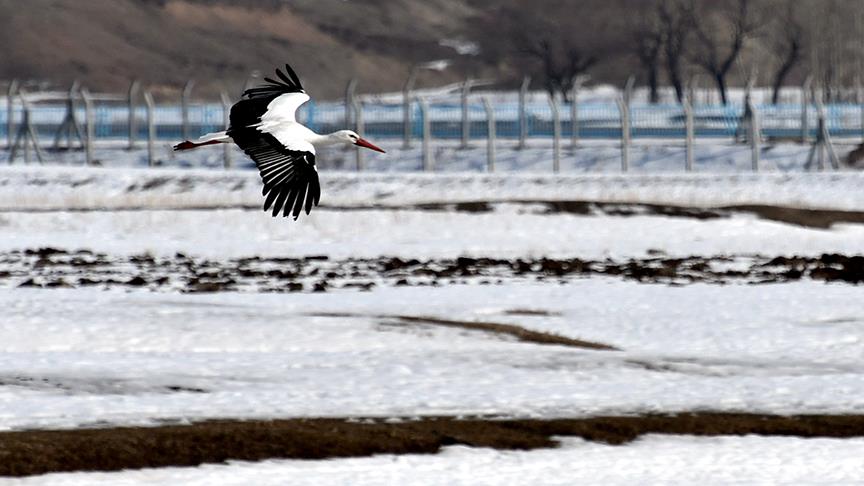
(264, 124)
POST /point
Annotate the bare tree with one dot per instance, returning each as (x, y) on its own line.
(787, 44)
(720, 38)
(648, 47)
(675, 24)
(561, 64)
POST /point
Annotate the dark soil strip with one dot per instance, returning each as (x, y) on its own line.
(511, 330)
(39, 452)
(518, 332)
(810, 218)
(58, 268)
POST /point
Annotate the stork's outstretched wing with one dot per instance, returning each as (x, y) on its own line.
(275, 101)
(276, 87)
(290, 177)
(289, 173)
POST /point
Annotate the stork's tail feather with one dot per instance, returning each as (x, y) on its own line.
(209, 139)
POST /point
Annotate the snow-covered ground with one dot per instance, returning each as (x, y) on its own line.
(76, 357)
(390, 226)
(507, 232)
(84, 356)
(61, 188)
(650, 460)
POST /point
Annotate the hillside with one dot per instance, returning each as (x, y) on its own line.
(106, 42)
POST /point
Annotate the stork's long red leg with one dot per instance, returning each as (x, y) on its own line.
(187, 145)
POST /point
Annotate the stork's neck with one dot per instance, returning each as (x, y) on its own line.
(325, 139)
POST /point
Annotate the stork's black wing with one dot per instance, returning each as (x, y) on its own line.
(290, 177)
(286, 83)
(248, 111)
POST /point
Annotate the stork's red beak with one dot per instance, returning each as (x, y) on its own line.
(363, 143)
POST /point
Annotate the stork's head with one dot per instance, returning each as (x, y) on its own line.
(348, 136)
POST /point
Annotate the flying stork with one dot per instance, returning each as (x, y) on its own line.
(264, 124)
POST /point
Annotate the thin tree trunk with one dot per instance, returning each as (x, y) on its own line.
(779, 79)
(675, 78)
(720, 79)
(654, 92)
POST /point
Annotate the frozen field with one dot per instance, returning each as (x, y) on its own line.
(175, 299)
(79, 357)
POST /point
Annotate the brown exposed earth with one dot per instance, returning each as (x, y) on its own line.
(507, 330)
(35, 452)
(811, 218)
(60, 268)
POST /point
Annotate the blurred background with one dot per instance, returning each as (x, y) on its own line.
(164, 43)
(504, 72)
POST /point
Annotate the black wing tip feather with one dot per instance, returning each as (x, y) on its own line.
(292, 201)
(290, 179)
(289, 83)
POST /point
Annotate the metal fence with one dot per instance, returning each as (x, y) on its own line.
(55, 119)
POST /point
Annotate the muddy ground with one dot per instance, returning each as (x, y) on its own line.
(34, 452)
(60, 268)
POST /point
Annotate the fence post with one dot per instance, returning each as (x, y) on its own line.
(574, 112)
(360, 129)
(556, 134)
(692, 88)
(26, 134)
(523, 117)
(69, 126)
(624, 109)
(406, 107)
(859, 95)
(151, 128)
(24, 129)
(89, 124)
(628, 89)
(226, 119)
(466, 122)
(820, 146)
(184, 106)
(10, 113)
(755, 135)
(829, 145)
(350, 89)
(805, 107)
(428, 163)
(823, 142)
(690, 134)
(491, 135)
(132, 98)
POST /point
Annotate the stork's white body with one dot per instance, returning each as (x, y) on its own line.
(280, 120)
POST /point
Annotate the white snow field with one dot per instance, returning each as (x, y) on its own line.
(60, 187)
(507, 232)
(85, 357)
(89, 357)
(513, 230)
(653, 459)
